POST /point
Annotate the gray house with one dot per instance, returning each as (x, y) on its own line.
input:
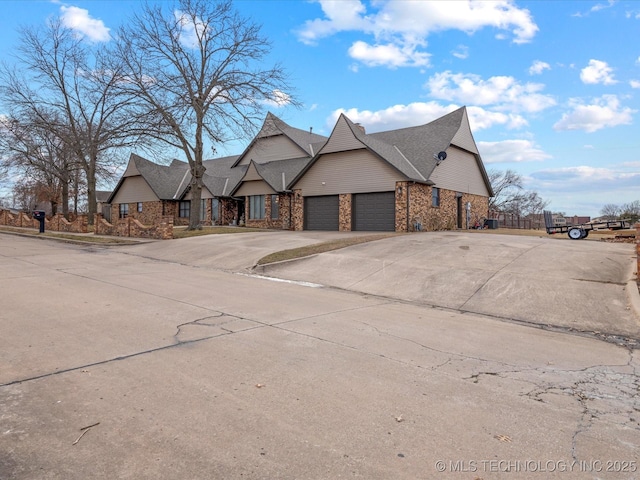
(427, 177)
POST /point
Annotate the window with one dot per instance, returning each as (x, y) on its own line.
(123, 210)
(203, 209)
(256, 207)
(184, 209)
(139, 207)
(214, 210)
(435, 196)
(274, 207)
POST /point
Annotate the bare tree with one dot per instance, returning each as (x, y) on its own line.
(61, 83)
(631, 211)
(32, 149)
(610, 211)
(510, 195)
(197, 73)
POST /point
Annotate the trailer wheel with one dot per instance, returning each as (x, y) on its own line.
(585, 233)
(575, 233)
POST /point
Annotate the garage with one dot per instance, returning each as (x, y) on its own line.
(374, 212)
(321, 213)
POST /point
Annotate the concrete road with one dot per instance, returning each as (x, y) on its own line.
(200, 373)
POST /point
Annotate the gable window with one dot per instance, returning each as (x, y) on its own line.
(123, 211)
(256, 207)
(184, 209)
(139, 207)
(274, 207)
(435, 196)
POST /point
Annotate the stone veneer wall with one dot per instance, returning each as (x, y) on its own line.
(56, 223)
(638, 252)
(131, 227)
(345, 212)
(433, 218)
(297, 211)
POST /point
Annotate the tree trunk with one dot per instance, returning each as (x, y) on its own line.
(196, 196)
(91, 195)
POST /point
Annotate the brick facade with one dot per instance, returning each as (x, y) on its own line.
(131, 227)
(422, 214)
(297, 211)
(56, 223)
(345, 212)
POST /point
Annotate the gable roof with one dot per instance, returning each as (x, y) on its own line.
(162, 179)
(277, 174)
(307, 141)
(410, 150)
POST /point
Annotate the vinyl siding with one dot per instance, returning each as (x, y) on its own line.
(134, 189)
(356, 171)
(341, 139)
(131, 170)
(251, 174)
(459, 172)
(464, 138)
(254, 188)
(272, 148)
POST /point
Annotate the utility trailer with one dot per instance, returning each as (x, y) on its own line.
(578, 232)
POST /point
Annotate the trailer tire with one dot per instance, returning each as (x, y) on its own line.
(575, 233)
(585, 233)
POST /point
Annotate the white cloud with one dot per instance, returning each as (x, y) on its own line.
(537, 67)
(602, 112)
(278, 99)
(511, 151)
(597, 72)
(390, 55)
(190, 29)
(78, 19)
(419, 113)
(404, 26)
(461, 52)
(501, 91)
(634, 83)
(397, 116)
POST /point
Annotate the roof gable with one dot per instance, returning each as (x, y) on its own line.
(302, 142)
(342, 137)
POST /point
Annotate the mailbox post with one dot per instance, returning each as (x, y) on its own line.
(40, 216)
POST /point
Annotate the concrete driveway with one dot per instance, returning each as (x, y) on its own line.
(581, 286)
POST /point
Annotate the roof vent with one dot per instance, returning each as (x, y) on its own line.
(361, 128)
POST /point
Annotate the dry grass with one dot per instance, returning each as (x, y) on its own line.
(66, 236)
(321, 248)
(182, 232)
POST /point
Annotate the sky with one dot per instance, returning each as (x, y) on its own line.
(552, 88)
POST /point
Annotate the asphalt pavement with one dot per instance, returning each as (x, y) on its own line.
(146, 362)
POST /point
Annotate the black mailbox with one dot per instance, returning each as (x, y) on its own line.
(40, 216)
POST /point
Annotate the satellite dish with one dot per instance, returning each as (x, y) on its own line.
(440, 157)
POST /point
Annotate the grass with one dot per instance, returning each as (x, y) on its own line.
(182, 232)
(321, 248)
(66, 236)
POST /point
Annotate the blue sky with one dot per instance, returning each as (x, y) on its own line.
(552, 87)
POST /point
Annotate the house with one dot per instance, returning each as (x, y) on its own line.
(427, 177)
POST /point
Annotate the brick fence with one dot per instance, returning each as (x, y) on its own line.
(130, 227)
(638, 252)
(57, 223)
